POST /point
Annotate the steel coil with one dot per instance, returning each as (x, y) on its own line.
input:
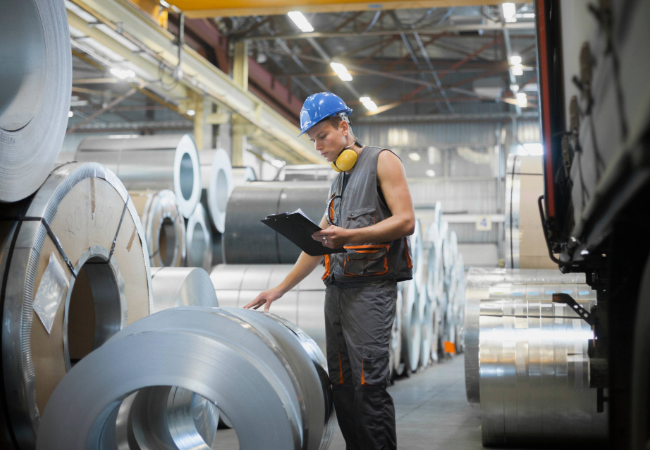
(504, 283)
(416, 241)
(199, 239)
(534, 375)
(411, 326)
(35, 86)
(217, 184)
(150, 163)
(271, 388)
(80, 220)
(426, 316)
(242, 175)
(395, 348)
(181, 286)
(238, 284)
(164, 227)
(249, 241)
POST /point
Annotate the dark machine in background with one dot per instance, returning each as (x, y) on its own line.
(594, 76)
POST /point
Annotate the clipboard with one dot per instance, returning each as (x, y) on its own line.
(298, 228)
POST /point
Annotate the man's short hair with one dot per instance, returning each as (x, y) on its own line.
(336, 120)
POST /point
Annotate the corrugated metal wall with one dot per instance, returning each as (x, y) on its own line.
(422, 135)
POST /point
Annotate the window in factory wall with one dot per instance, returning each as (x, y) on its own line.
(96, 309)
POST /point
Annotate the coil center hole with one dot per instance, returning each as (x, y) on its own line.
(167, 241)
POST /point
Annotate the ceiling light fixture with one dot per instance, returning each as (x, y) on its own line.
(122, 74)
(514, 88)
(70, 114)
(509, 12)
(301, 21)
(341, 71)
(191, 112)
(522, 99)
(430, 173)
(515, 60)
(368, 103)
(414, 156)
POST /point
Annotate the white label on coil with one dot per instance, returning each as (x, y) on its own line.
(483, 223)
(54, 286)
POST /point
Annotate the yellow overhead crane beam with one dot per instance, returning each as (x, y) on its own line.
(221, 8)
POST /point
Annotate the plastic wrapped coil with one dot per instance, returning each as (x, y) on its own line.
(503, 283)
(35, 84)
(164, 227)
(217, 184)
(74, 272)
(534, 375)
(252, 365)
(199, 239)
(150, 163)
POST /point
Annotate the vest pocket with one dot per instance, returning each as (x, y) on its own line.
(366, 260)
(360, 218)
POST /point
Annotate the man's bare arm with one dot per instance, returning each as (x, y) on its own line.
(303, 267)
(394, 186)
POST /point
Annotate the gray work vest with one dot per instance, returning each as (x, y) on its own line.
(360, 205)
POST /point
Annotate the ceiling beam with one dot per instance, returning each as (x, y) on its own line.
(225, 8)
(424, 31)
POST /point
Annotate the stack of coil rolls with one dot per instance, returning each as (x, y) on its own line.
(526, 359)
(267, 377)
(74, 271)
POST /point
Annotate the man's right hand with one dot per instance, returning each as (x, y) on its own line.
(265, 298)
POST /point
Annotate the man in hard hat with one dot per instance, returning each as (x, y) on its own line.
(369, 213)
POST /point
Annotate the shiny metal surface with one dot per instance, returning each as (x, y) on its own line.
(216, 185)
(175, 165)
(35, 83)
(242, 175)
(181, 286)
(395, 348)
(416, 241)
(76, 200)
(426, 324)
(499, 283)
(534, 375)
(163, 225)
(198, 238)
(209, 351)
(411, 326)
(249, 241)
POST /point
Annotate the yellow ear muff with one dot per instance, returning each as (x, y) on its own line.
(345, 161)
(336, 169)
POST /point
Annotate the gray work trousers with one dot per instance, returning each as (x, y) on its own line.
(358, 323)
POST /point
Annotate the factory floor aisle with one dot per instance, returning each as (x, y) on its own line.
(432, 412)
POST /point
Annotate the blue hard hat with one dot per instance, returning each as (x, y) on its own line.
(318, 107)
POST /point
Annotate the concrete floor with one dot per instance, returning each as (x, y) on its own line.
(432, 412)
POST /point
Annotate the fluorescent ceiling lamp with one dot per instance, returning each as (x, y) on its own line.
(522, 99)
(414, 156)
(430, 173)
(122, 74)
(509, 12)
(368, 103)
(517, 70)
(515, 60)
(535, 148)
(341, 71)
(301, 21)
(70, 114)
(514, 88)
(191, 112)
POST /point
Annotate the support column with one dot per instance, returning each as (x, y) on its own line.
(239, 141)
(198, 122)
(240, 64)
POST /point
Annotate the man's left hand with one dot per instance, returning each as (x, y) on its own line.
(332, 237)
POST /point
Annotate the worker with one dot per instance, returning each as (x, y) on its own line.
(369, 213)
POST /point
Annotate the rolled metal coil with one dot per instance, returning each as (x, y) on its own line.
(199, 239)
(426, 315)
(416, 241)
(504, 283)
(247, 240)
(242, 175)
(150, 163)
(534, 375)
(249, 363)
(163, 225)
(81, 220)
(238, 284)
(35, 84)
(411, 326)
(216, 185)
(434, 261)
(395, 349)
(181, 286)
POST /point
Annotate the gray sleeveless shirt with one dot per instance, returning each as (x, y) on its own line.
(360, 205)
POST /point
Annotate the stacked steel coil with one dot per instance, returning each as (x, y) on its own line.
(268, 378)
(76, 270)
(526, 359)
